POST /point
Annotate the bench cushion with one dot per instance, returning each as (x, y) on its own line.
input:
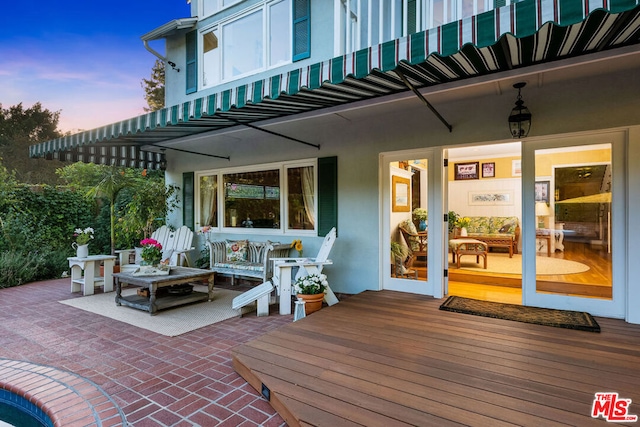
(240, 265)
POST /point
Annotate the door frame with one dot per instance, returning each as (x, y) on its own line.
(614, 307)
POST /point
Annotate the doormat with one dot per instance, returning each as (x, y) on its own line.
(540, 316)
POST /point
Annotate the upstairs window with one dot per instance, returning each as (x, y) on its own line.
(362, 24)
(254, 41)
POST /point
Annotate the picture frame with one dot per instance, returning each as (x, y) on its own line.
(469, 170)
(498, 197)
(516, 167)
(542, 191)
(489, 170)
(400, 194)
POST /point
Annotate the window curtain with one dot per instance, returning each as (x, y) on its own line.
(308, 194)
(209, 201)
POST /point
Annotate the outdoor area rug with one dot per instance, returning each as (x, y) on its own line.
(171, 322)
(540, 316)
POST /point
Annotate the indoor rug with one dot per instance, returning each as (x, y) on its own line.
(172, 322)
(540, 316)
(501, 263)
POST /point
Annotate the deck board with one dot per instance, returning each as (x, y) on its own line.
(390, 358)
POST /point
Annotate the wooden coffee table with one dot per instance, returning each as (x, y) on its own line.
(177, 276)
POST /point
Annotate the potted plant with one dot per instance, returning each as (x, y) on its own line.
(420, 215)
(311, 290)
(398, 256)
(81, 245)
(463, 223)
(151, 252)
(453, 221)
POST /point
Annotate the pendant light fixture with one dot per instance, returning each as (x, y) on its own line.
(520, 117)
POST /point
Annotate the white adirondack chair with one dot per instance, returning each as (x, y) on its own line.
(175, 245)
(307, 266)
(282, 280)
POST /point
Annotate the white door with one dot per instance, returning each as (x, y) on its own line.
(411, 246)
(573, 188)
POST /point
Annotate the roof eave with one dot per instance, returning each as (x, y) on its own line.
(170, 28)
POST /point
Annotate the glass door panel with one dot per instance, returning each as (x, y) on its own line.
(573, 221)
(408, 220)
(573, 252)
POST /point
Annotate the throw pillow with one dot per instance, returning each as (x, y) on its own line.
(236, 250)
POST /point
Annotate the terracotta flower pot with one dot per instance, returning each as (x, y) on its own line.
(313, 303)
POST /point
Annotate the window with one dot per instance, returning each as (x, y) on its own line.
(209, 7)
(251, 42)
(208, 212)
(252, 199)
(378, 21)
(300, 198)
(277, 197)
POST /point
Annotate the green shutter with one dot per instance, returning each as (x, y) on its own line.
(187, 200)
(192, 64)
(412, 16)
(327, 194)
(499, 3)
(301, 29)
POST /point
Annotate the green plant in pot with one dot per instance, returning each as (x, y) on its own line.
(453, 220)
(398, 256)
(420, 215)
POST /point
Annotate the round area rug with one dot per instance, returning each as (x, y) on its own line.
(501, 263)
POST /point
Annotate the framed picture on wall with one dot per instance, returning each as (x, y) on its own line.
(400, 195)
(516, 167)
(542, 191)
(489, 170)
(467, 170)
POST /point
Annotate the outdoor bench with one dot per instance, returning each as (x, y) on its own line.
(243, 258)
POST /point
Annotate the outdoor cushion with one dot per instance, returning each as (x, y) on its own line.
(240, 265)
(236, 250)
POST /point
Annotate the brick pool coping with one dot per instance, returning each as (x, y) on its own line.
(67, 398)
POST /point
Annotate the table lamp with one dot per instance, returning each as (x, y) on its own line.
(542, 210)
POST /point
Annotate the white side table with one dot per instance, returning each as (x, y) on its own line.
(91, 278)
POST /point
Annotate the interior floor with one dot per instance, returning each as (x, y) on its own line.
(507, 288)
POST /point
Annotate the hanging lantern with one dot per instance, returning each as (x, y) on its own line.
(520, 117)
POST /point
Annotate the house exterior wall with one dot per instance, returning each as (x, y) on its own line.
(357, 136)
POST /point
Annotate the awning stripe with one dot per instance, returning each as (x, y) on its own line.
(516, 35)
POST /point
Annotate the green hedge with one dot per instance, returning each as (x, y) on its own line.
(36, 232)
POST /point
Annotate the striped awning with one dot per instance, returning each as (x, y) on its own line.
(518, 35)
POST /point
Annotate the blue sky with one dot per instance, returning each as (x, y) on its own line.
(84, 59)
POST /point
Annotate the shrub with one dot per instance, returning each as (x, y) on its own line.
(17, 268)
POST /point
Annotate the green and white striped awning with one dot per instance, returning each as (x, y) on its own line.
(518, 35)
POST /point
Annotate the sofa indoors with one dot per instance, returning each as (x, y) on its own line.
(495, 231)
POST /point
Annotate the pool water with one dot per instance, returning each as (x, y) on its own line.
(16, 411)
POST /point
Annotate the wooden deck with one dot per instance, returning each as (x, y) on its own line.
(389, 359)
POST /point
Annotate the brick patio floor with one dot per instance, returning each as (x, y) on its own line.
(155, 380)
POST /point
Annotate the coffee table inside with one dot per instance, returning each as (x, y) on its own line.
(177, 276)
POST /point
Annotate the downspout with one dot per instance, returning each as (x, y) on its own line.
(156, 54)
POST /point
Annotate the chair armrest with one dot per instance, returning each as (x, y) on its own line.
(217, 252)
(123, 255)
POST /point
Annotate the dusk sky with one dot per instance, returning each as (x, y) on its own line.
(84, 59)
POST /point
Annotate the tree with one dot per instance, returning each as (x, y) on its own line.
(100, 181)
(154, 87)
(19, 128)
